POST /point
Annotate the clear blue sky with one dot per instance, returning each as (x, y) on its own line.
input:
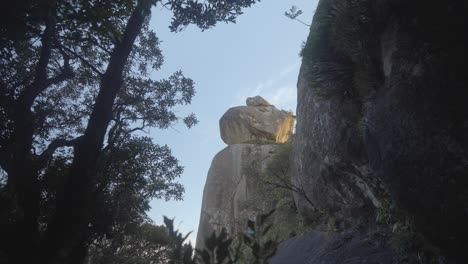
(256, 56)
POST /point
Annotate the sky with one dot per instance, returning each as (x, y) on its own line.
(259, 55)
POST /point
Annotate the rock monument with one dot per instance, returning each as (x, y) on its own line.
(252, 133)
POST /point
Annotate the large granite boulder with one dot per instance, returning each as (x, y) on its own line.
(257, 122)
(234, 190)
(382, 116)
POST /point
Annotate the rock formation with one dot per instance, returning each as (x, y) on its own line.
(320, 247)
(382, 119)
(257, 101)
(258, 121)
(380, 153)
(230, 196)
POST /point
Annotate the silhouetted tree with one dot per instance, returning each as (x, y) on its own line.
(144, 244)
(74, 89)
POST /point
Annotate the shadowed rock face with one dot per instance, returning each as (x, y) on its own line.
(382, 114)
(259, 121)
(319, 247)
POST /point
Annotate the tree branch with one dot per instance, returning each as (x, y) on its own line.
(54, 145)
(96, 42)
(300, 21)
(91, 40)
(83, 60)
(73, 211)
(30, 93)
(66, 72)
(140, 128)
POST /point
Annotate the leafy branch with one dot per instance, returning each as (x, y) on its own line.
(294, 13)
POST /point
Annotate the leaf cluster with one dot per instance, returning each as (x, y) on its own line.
(205, 14)
(293, 13)
(254, 246)
(145, 243)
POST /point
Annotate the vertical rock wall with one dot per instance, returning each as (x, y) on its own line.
(382, 115)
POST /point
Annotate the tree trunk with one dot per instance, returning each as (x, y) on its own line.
(68, 227)
(22, 187)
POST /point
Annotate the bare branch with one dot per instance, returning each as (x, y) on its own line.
(140, 128)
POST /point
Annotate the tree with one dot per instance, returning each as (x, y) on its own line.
(277, 176)
(74, 92)
(254, 246)
(294, 13)
(179, 252)
(145, 244)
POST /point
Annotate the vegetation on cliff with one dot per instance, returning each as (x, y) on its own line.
(379, 101)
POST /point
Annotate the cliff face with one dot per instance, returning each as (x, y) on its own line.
(230, 184)
(380, 160)
(382, 117)
(233, 187)
(332, 248)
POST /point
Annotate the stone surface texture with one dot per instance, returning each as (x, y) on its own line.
(232, 188)
(257, 101)
(320, 248)
(230, 183)
(255, 123)
(386, 120)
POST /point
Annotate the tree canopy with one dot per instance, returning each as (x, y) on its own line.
(76, 96)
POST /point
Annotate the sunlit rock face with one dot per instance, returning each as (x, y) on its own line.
(230, 196)
(258, 121)
(229, 185)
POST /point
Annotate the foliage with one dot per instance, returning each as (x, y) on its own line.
(404, 237)
(145, 243)
(270, 187)
(179, 251)
(217, 250)
(277, 179)
(255, 246)
(75, 99)
(332, 58)
(260, 245)
(294, 13)
(205, 14)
